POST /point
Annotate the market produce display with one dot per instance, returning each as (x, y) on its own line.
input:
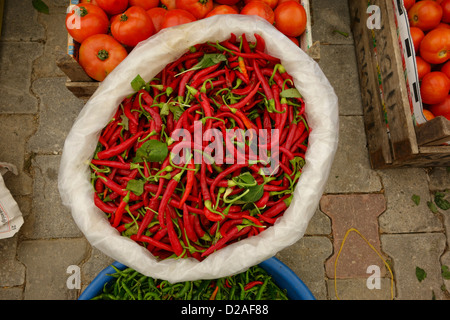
(127, 22)
(430, 31)
(180, 196)
(253, 284)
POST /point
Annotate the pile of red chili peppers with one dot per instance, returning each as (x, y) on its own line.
(191, 208)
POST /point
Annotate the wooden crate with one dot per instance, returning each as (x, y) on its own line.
(393, 138)
(82, 86)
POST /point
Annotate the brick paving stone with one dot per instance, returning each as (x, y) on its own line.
(359, 211)
(16, 68)
(15, 293)
(58, 110)
(20, 22)
(49, 218)
(320, 224)
(305, 258)
(339, 66)
(350, 172)
(402, 214)
(357, 289)
(56, 42)
(445, 263)
(408, 251)
(96, 262)
(47, 262)
(439, 178)
(15, 130)
(328, 16)
(12, 272)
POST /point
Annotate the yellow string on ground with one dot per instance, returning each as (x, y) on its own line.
(373, 248)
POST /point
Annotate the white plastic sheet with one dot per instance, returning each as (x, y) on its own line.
(11, 218)
(148, 59)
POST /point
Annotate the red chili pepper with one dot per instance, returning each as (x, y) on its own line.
(264, 82)
(190, 232)
(247, 122)
(243, 68)
(279, 207)
(173, 237)
(111, 184)
(263, 201)
(189, 182)
(152, 241)
(155, 116)
(165, 199)
(252, 284)
(111, 164)
(228, 224)
(266, 56)
(242, 102)
(184, 81)
(120, 210)
(204, 72)
(260, 43)
(222, 175)
(149, 214)
(222, 242)
(105, 207)
(109, 153)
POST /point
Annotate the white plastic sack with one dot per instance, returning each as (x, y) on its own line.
(148, 59)
(11, 218)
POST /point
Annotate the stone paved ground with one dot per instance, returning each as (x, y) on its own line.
(37, 111)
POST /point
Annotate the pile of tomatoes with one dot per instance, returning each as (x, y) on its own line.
(430, 31)
(108, 29)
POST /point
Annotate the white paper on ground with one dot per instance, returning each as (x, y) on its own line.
(148, 59)
(11, 218)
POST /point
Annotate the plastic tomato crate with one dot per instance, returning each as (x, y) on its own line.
(82, 86)
(398, 134)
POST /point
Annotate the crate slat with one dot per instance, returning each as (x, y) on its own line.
(393, 138)
(376, 130)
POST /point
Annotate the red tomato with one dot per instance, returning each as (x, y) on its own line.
(146, 4)
(94, 2)
(425, 15)
(428, 114)
(198, 8)
(132, 26)
(227, 2)
(176, 17)
(259, 8)
(85, 20)
(417, 36)
(222, 9)
(443, 26)
(295, 40)
(434, 87)
(446, 11)
(408, 4)
(435, 45)
(157, 15)
(446, 69)
(100, 54)
(170, 4)
(113, 7)
(423, 67)
(271, 3)
(281, 1)
(441, 109)
(290, 18)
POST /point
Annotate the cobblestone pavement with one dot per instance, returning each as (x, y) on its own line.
(37, 112)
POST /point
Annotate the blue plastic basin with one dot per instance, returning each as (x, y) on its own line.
(283, 276)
